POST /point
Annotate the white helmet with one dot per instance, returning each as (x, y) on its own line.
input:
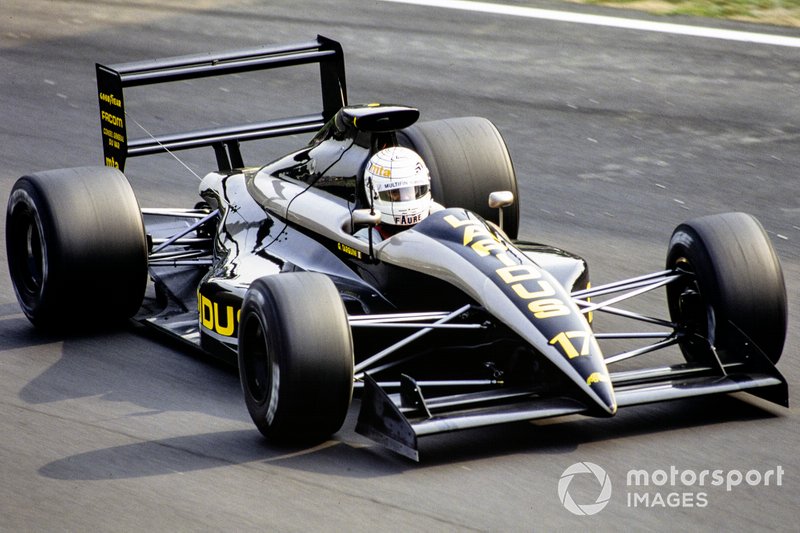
(399, 185)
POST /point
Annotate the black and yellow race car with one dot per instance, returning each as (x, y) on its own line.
(454, 323)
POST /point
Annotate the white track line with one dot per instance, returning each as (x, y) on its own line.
(613, 22)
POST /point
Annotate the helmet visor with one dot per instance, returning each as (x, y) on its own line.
(404, 194)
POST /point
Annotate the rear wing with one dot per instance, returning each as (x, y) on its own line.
(113, 79)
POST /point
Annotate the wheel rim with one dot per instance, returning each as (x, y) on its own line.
(256, 360)
(27, 252)
(691, 312)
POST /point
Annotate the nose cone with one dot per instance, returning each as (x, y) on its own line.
(591, 375)
(598, 385)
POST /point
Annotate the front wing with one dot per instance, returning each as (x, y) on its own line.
(397, 420)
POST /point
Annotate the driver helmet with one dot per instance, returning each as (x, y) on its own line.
(398, 184)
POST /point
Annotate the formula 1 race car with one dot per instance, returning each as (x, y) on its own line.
(453, 323)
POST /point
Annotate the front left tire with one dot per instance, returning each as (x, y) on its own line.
(295, 357)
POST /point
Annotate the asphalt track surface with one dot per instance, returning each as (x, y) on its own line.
(617, 136)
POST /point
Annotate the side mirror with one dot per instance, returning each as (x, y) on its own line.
(366, 217)
(498, 200)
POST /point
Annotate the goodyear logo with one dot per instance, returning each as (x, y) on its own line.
(110, 99)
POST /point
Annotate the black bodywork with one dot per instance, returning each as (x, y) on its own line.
(500, 329)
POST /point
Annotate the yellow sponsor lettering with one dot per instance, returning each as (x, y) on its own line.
(111, 99)
(206, 312)
(546, 289)
(589, 315)
(485, 246)
(379, 170)
(596, 377)
(216, 317)
(348, 250)
(540, 293)
(112, 119)
(113, 135)
(506, 259)
(473, 230)
(486, 241)
(227, 330)
(564, 340)
(548, 308)
(516, 273)
(456, 223)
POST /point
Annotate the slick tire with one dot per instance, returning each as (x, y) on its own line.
(467, 159)
(76, 248)
(295, 357)
(735, 283)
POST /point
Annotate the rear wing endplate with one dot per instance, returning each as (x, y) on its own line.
(113, 79)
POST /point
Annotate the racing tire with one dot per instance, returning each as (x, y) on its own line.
(76, 248)
(737, 279)
(467, 159)
(295, 357)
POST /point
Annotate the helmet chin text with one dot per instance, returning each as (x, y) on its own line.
(407, 220)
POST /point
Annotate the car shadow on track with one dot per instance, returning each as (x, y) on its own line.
(119, 367)
(127, 369)
(349, 455)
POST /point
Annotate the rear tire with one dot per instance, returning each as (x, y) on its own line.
(76, 246)
(295, 357)
(467, 159)
(737, 278)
